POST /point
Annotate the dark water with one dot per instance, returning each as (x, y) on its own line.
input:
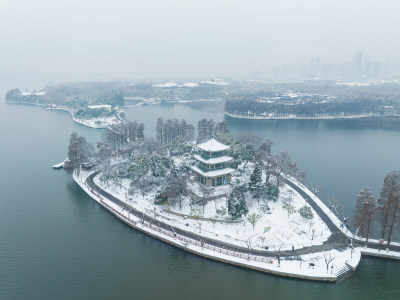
(55, 243)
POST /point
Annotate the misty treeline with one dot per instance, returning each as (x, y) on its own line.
(250, 98)
(303, 105)
(382, 214)
(126, 153)
(388, 91)
(199, 91)
(172, 131)
(74, 94)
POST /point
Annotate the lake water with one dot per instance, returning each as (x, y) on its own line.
(56, 243)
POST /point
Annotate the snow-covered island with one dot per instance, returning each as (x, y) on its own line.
(94, 114)
(298, 106)
(222, 199)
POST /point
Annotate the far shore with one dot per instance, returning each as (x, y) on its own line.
(91, 123)
(307, 118)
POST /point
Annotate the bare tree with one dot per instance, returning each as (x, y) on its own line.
(389, 202)
(265, 159)
(284, 164)
(289, 208)
(364, 211)
(328, 260)
(278, 254)
(206, 194)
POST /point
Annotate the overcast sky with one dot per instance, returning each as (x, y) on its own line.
(102, 39)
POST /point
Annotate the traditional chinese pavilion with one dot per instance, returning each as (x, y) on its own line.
(212, 167)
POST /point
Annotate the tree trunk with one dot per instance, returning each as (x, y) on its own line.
(369, 224)
(391, 225)
(362, 221)
(384, 224)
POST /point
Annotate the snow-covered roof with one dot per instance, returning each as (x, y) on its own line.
(213, 173)
(215, 82)
(213, 160)
(190, 84)
(212, 146)
(166, 85)
(99, 106)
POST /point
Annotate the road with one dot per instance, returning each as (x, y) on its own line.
(336, 241)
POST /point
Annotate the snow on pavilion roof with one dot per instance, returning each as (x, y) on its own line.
(213, 160)
(213, 173)
(212, 146)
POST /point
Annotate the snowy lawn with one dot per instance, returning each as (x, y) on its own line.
(311, 266)
(274, 229)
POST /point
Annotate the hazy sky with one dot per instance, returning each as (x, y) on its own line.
(101, 39)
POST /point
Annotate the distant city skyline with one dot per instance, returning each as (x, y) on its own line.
(361, 68)
(120, 39)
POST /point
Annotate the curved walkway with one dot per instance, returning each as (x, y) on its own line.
(336, 241)
(337, 235)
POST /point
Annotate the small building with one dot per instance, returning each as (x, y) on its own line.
(101, 106)
(212, 167)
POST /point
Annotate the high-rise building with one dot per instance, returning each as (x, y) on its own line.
(357, 65)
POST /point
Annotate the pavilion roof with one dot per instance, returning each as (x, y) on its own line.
(213, 173)
(213, 160)
(212, 146)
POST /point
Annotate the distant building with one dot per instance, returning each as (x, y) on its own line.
(100, 106)
(212, 168)
(357, 64)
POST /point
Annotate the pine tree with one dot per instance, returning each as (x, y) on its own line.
(79, 151)
(272, 192)
(237, 205)
(306, 212)
(73, 150)
(255, 178)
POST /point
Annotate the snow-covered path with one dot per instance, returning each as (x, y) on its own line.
(334, 223)
(310, 266)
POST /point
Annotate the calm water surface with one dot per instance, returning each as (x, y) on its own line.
(56, 243)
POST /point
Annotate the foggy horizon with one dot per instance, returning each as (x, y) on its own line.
(104, 40)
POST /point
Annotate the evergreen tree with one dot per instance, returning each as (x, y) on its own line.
(272, 192)
(79, 151)
(73, 150)
(255, 178)
(237, 205)
(306, 212)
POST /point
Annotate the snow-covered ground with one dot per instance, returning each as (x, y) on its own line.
(339, 224)
(102, 122)
(310, 266)
(93, 123)
(274, 229)
(383, 253)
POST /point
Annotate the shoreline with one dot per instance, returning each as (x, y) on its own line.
(85, 122)
(234, 116)
(241, 258)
